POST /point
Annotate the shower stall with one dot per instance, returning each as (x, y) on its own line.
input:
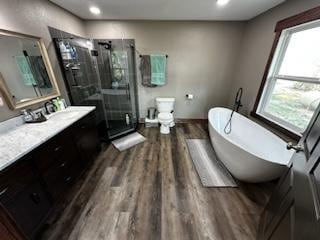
(102, 73)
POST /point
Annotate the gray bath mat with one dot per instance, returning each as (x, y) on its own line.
(211, 171)
(128, 141)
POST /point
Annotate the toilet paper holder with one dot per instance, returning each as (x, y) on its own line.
(189, 96)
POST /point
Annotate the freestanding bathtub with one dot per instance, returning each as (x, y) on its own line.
(250, 152)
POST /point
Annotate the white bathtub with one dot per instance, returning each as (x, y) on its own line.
(250, 152)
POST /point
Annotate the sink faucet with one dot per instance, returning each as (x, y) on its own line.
(49, 107)
(30, 116)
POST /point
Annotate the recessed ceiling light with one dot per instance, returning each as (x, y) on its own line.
(222, 2)
(95, 10)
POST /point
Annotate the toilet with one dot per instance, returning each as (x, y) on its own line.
(165, 108)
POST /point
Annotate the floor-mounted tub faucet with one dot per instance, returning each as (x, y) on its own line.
(236, 106)
(238, 103)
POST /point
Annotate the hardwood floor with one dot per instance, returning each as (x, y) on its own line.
(152, 191)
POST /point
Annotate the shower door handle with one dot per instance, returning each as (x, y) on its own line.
(75, 82)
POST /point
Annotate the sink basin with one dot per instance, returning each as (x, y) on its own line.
(68, 115)
(63, 115)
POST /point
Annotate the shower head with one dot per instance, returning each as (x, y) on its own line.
(107, 45)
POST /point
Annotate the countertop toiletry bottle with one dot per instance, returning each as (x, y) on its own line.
(64, 103)
(61, 104)
(56, 104)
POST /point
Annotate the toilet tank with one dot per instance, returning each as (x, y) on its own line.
(165, 104)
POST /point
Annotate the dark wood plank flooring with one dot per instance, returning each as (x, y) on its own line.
(152, 191)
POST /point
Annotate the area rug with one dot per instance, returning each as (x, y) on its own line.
(128, 141)
(211, 171)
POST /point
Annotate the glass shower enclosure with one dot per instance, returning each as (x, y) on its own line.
(102, 73)
(117, 71)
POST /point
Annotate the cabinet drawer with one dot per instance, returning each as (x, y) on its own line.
(56, 149)
(58, 177)
(29, 208)
(15, 179)
(87, 139)
(83, 125)
(46, 156)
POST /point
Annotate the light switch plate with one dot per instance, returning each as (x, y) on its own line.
(1, 102)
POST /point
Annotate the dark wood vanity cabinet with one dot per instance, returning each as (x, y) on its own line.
(8, 228)
(86, 138)
(31, 187)
(58, 162)
(30, 207)
(23, 196)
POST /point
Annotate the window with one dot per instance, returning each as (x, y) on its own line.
(291, 91)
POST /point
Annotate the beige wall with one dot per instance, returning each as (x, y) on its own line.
(256, 46)
(33, 17)
(209, 59)
(201, 59)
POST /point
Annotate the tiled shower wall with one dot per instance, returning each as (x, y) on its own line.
(87, 93)
(94, 82)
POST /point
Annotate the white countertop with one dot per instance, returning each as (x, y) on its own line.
(18, 138)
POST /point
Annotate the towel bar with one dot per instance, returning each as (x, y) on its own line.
(166, 55)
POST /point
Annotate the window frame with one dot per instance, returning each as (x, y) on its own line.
(283, 32)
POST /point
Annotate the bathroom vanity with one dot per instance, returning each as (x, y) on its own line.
(38, 165)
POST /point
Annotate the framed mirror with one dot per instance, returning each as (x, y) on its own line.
(26, 75)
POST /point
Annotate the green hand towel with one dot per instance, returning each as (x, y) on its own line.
(25, 71)
(158, 69)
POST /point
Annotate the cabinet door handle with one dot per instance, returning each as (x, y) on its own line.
(68, 179)
(57, 149)
(35, 197)
(3, 191)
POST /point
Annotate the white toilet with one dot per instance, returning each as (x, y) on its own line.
(165, 108)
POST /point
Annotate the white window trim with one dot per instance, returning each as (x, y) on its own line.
(273, 77)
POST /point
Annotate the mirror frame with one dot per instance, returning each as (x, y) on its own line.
(4, 87)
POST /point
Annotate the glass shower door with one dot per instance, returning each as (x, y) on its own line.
(116, 63)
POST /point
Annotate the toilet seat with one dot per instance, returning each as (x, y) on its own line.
(165, 116)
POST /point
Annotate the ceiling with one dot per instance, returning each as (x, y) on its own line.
(236, 10)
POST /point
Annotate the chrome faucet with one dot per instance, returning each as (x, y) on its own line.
(30, 116)
(48, 106)
(27, 115)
